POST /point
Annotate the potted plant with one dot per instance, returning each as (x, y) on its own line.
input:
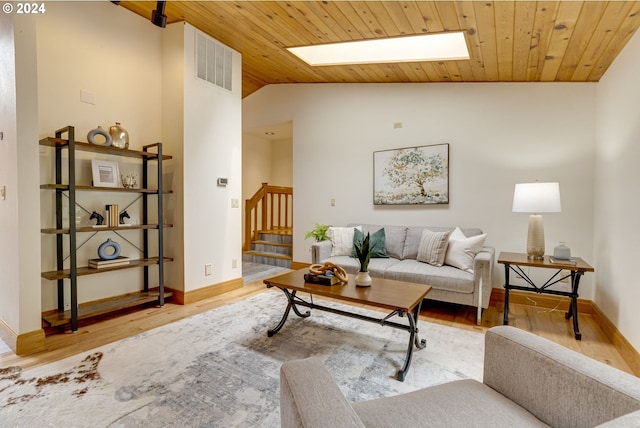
(363, 253)
(319, 232)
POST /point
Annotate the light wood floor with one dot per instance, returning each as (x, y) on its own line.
(546, 323)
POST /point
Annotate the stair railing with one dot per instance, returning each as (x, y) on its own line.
(270, 208)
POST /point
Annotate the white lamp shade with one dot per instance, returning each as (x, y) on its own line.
(536, 198)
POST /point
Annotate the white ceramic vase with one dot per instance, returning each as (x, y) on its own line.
(363, 279)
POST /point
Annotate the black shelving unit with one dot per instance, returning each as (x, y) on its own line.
(150, 153)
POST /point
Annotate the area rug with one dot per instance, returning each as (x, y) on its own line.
(220, 369)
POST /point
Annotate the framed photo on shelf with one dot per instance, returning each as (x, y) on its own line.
(105, 173)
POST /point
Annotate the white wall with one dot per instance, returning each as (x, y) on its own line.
(19, 212)
(115, 55)
(616, 202)
(499, 135)
(212, 149)
(256, 164)
(282, 163)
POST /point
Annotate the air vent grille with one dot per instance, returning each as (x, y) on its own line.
(213, 62)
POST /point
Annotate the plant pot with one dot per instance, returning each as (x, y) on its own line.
(363, 279)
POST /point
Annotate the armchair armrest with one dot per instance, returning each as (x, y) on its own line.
(559, 386)
(309, 397)
(320, 251)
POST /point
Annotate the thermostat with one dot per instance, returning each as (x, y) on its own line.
(223, 181)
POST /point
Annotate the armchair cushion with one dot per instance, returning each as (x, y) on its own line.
(461, 403)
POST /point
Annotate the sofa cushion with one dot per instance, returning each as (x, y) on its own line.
(376, 243)
(433, 247)
(377, 267)
(461, 403)
(462, 250)
(341, 240)
(414, 234)
(394, 238)
(441, 277)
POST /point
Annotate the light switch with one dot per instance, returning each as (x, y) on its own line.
(235, 203)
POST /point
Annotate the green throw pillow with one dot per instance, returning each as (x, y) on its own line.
(376, 243)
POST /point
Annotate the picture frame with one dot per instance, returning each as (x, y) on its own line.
(105, 173)
(411, 175)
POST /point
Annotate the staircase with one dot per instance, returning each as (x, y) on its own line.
(273, 247)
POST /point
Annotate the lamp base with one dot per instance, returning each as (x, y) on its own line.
(535, 237)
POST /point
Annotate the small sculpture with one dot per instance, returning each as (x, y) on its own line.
(98, 217)
(104, 254)
(122, 216)
(129, 181)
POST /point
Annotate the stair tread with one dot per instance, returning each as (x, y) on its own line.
(275, 244)
(267, 254)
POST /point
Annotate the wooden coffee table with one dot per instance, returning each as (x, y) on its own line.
(401, 298)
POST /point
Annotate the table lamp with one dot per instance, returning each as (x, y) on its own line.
(536, 198)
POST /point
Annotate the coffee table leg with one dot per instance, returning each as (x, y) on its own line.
(290, 304)
(414, 339)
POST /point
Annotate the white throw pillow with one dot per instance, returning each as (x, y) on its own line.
(462, 250)
(342, 240)
(433, 247)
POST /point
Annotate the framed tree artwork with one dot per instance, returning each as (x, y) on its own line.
(411, 176)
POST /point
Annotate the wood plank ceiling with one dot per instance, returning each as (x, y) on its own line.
(509, 41)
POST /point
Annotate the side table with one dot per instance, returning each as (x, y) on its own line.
(515, 261)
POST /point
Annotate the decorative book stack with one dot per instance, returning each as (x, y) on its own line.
(101, 264)
(112, 215)
(321, 279)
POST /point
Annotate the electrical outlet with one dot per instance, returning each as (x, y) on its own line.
(207, 269)
(565, 275)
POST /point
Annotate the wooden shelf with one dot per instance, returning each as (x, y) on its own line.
(65, 187)
(149, 153)
(85, 270)
(102, 307)
(54, 231)
(95, 148)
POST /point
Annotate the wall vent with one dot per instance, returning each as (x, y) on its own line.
(213, 62)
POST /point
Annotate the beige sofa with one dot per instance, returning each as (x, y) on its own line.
(528, 382)
(449, 283)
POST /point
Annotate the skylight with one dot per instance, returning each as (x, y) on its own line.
(427, 47)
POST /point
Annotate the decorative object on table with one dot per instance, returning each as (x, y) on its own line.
(536, 198)
(101, 264)
(411, 176)
(363, 253)
(97, 217)
(562, 252)
(124, 214)
(119, 136)
(328, 274)
(319, 232)
(129, 181)
(105, 173)
(103, 250)
(113, 219)
(99, 132)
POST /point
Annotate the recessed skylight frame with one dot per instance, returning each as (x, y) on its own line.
(447, 46)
